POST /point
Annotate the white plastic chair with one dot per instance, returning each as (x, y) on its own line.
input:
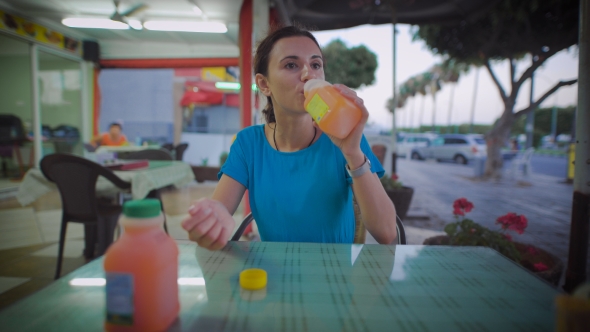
(522, 159)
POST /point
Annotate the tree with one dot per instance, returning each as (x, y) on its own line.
(352, 67)
(511, 30)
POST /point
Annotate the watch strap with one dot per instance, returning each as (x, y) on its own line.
(355, 173)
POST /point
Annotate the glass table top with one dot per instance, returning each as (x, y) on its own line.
(319, 287)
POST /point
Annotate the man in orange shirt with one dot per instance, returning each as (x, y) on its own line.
(114, 137)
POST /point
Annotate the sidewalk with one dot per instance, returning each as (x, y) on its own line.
(545, 201)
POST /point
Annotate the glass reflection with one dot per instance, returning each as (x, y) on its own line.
(402, 255)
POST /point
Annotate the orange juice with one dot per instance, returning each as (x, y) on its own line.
(335, 114)
(141, 270)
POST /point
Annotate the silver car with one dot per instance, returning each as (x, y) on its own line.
(457, 147)
(409, 141)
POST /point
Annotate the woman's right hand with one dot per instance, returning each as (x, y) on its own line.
(209, 224)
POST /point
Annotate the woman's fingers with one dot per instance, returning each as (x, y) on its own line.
(221, 239)
(206, 240)
(197, 213)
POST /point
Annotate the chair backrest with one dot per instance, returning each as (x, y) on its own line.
(168, 146)
(180, 148)
(75, 178)
(148, 154)
(359, 236)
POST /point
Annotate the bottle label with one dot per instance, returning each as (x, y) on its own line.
(317, 108)
(119, 291)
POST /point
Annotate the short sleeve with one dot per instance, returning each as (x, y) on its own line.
(236, 166)
(376, 166)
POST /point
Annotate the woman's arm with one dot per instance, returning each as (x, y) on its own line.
(210, 222)
(377, 210)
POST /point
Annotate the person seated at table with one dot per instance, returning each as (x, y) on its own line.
(296, 175)
(114, 137)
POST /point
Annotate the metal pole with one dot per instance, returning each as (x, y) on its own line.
(421, 114)
(473, 100)
(412, 114)
(450, 108)
(433, 112)
(393, 131)
(36, 105)
(577, 265)
(554, 120)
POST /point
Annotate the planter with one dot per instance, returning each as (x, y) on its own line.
(551, 275)
(204, 173)
(401, 198)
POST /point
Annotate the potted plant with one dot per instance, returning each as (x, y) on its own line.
(466, 232)
(400, 195)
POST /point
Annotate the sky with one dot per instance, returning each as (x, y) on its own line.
(414, 58)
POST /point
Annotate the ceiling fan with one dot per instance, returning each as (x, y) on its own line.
(122, 17)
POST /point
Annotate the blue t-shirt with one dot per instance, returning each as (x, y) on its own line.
(302, 196)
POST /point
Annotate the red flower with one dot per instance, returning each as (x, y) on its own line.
(473, 230)
(513, 222)
(462, 206)
(531, 250)
(394, 177)
(540, 267)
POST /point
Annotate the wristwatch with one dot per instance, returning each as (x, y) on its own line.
(355, 173)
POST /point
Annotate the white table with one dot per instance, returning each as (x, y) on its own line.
(159, 175)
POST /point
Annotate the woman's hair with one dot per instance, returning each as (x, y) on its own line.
(262, 57)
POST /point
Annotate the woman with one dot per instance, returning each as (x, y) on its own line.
(299, 186)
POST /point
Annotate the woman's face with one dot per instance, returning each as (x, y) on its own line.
(292, 62)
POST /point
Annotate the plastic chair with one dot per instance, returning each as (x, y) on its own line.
(75, 178)
(168, 146)
(179, 149)
(522, 159)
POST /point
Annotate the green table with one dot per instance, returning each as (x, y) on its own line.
(320, 287)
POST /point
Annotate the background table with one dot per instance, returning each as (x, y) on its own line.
(321, 287)
(159, 175)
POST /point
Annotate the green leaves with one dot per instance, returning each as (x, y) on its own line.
(352, 67)
(469, 233)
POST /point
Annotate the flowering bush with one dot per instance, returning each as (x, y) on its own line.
(466, 232)
(391, 182)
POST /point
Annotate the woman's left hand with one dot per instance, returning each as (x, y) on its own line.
(350, 145)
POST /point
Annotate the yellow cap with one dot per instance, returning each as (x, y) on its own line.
(253, 279)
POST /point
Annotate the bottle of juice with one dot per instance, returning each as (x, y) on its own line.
(334, 113)
(141, 270)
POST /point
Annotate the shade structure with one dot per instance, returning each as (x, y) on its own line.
(339, 14)
(205, 93)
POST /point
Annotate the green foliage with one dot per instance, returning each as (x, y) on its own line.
(391, 182)
(352, 67)
(204, 161)
(565, 120)
(509, 30)
(223, 158)
(469, 233)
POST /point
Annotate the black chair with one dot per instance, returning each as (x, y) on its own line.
(149, 154)
(168, 146)
(401, 232)
(75, 178)
(179, 150)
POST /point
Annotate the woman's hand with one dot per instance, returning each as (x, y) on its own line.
(209, 224)
(350, 145)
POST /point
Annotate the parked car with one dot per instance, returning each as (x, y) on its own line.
(409, 141)
(457, 147)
